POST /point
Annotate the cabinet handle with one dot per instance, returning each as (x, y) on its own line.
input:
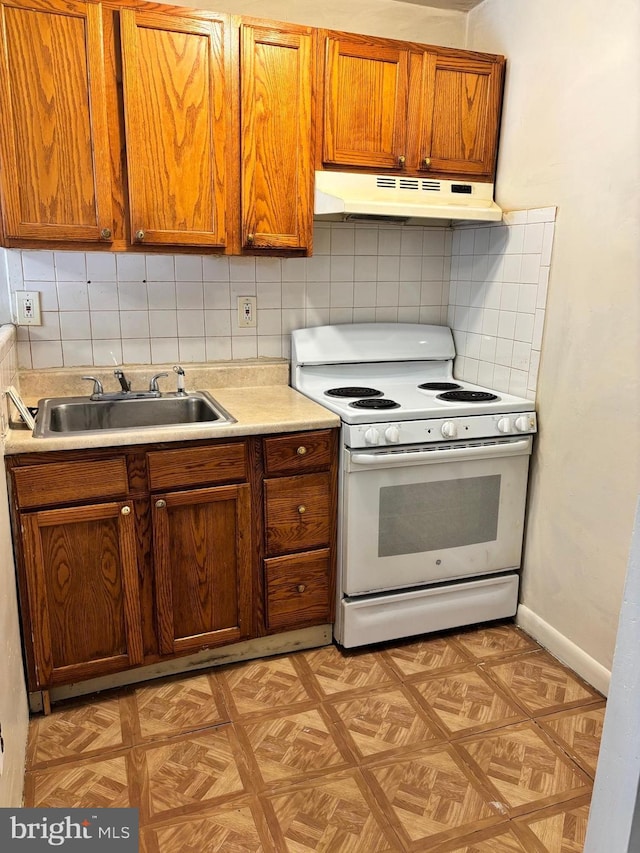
(301, 587)
(140, 235)
(105, 234)
(301, 450)
(401, 161)
(161, 504)
(302, 509)
(125, 510)
(427, 162)
(251, 238)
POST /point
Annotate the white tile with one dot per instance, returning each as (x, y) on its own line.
(293, 294)
(215, 268)
(538, 329)
(386, 315)
(543, 285)
(294, 269)
(244, 347)
(493, 294)
(509, 297)
(463, 293)
(387, 293)
(269, 294)
(497, 239)
(46, 354)
(444, 297)
(547, 243)
(268, 269)
(534, 366)
(188, 268)
(524, 327)
(190, 295)
(409, 314)
(269, 321)
(340, 315)
(130, 267)
(455, 241)
(24, 355)
(162, 268)
(270, 346)
(105, 325)
(533, 237)
(163, 324)
(322, 238)
(77, 353)
(515, 240)
(161, 295)
(501, 378)
(541, 214)
(341, 294)
(432, 268)
(388, 268)
(490, 318)
(465, 267)
(316, 316)
(48, 291)
(507, 324)
(433, 242)
(485, 373)
(101, 266)
(521, 355)
(527, 297)
(473, 345)
(132, 296)
(107, 353)
(454, 266)
(530, 270)
(317, 294)
(164, 350)
(475, 320)
(343, 240)
(487, 348)
(430, 314)
(367, 315)
(389, 241)
(218, 349)
(460, 341)
(191, 349)
(70, 266)
(73, 295)
(471, 369)
(515, 217)
(411, 241)
(478, 294)
(15, 272)
(364, 293)
(480, 268)
(75, 326)
(242, 269)
(292, 318)
(49, 330)
(136, 351)
(190, 324)
(216, 295)
(366, 241)
(504, 351)
(409, 293)
(410, 268)
(342, 268)
(217, 323)
(467, 240)
(461, 318)
(241, 288)
(134, 324)
(518, 382)
(103, 296)
(319, 268)
(365, 268)
(481, 241)
(495, 269)
(511, 268)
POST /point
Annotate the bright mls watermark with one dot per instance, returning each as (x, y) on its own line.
(70, 830)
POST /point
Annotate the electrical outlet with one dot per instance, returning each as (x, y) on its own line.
(246, 312)
(28, 308)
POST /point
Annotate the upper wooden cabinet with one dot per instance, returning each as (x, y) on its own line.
(177, 100)
(276, 81)
(408, 108)
(54, 151)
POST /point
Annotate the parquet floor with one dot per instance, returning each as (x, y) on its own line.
(474, 742)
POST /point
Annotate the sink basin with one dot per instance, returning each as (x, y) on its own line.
(64, 415)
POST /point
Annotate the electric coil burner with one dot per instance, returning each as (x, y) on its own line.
(432, 486)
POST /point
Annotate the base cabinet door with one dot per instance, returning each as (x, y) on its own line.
(202, 556)
(83, 591)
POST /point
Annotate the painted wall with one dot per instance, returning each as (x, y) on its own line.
(571, 138)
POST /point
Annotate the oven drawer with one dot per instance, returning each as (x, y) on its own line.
(298, 590)
(297, 513)
(299, 453)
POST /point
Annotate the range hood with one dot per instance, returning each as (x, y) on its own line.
(353, 196)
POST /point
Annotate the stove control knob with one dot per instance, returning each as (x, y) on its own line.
(504, 425)
(449, 429)
(524, 423)
(372, 436)
(392, 434)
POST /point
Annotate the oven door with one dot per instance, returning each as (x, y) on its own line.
(420, 515)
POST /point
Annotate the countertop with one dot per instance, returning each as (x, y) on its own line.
(257, 396)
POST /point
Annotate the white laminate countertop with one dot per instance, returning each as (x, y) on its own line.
(259, 399)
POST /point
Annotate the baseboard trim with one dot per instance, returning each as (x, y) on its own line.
(563, 649)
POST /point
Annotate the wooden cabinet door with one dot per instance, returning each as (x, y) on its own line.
(83, 587)
(177, 107)
(202, 555)
(276, 138)
(365, 104)
(461, 114)
(54, 152)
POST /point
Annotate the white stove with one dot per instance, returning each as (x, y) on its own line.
(422, 546)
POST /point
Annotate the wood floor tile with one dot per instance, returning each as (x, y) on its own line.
(189, 772)
(495, 641)
(333, 814)
(75, 731)
(180, 705)
(260, 686)
(337, 671)
(559, 829)
(382, 721)
(291, 746)
(467, 701)
(99, 783)
(579, 731)
(431, 797)
(500, 839)
(540, 684)
(422, 657)
(527, 770)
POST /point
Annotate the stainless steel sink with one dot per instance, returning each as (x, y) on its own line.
(64, 415)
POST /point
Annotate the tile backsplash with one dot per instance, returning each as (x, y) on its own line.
(487, 282)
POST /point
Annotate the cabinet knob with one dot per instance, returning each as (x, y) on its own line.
(301, 587)
(126, 510)
(251, 238)
(105, 234)
(301, 450)
(302, 509)
(401, 161)
(426, 163)
(161, 504)
(140, 235)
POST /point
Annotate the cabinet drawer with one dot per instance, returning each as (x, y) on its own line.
(70, 482)
(197, 466)
(298, 590)
(293, 454)
(297, 511)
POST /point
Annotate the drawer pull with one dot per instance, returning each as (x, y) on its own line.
(301, 450)
(125, 510)
(302, 509)
(301, 587)
(161, 504)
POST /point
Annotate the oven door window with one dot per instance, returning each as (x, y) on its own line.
(413, 525)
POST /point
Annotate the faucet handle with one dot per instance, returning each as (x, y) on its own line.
(97, 385)
(153, 384)
(180, 371)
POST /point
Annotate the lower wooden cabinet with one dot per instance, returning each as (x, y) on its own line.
(299, 590)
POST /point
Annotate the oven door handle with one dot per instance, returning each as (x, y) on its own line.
(519, 447)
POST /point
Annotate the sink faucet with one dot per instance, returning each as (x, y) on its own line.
(122, 379)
